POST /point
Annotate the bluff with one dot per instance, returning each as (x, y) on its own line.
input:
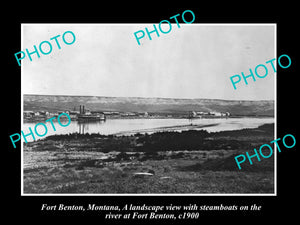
(54, 103)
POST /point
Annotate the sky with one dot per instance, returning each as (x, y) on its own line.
(193, 61)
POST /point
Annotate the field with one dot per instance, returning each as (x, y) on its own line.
(167, 162)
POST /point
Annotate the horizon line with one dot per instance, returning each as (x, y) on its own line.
(63, 95)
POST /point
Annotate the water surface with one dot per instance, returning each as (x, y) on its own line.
(129, 126)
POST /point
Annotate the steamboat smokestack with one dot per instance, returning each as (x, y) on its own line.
(80, 109)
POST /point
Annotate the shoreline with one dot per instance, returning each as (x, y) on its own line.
(157, 117)
(176, 128)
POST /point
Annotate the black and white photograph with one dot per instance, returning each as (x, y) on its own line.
(126, 109)
(150, 113)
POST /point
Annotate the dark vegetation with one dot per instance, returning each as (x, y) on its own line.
(165, 141)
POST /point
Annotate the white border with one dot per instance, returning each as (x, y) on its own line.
(275, 109)
(162, 194)
(22, 107)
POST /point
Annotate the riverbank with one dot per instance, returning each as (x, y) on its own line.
(175, 162)
(167, 116)
(177, 128)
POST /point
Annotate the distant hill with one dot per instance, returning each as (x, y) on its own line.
(54, 103)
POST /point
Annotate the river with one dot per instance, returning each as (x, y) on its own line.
(130, 126)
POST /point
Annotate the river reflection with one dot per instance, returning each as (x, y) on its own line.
(83, 127)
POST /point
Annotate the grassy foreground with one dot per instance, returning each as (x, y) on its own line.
(176, 162)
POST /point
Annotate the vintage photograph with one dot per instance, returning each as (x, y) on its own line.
(157, 118)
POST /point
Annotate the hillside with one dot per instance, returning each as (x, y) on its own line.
(135, 104)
